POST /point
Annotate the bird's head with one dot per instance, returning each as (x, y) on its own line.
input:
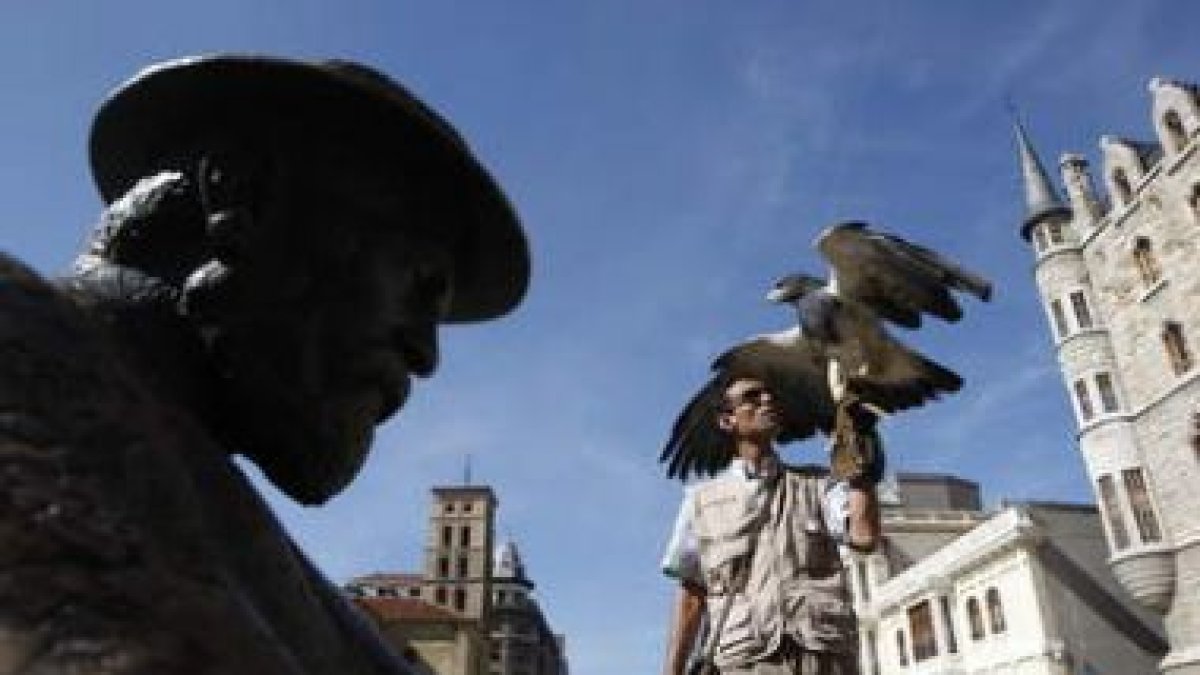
(791, 288)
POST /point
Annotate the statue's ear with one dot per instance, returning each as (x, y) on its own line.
(230, 185)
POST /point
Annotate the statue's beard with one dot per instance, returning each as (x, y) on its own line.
(309, 441)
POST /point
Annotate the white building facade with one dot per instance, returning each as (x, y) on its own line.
(1119, 276)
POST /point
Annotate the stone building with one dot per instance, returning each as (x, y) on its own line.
(1118, 270)
(1023, 590)
(444, 618)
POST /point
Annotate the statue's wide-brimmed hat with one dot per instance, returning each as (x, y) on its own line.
(169, 107)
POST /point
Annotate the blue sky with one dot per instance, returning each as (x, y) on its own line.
(669, 160)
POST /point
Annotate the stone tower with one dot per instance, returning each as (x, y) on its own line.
(1119, 279)
(458, 550)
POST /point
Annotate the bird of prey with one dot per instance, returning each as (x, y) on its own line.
(839, 350)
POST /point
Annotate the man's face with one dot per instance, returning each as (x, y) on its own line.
(334, 305)
(750, 410)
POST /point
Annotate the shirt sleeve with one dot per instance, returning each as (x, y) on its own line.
(837, 508)
(681, 560)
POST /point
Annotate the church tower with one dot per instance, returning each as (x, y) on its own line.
(1119, 276)
(458, 550)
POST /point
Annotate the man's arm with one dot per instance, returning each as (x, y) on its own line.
(689, 608)
(862, 519)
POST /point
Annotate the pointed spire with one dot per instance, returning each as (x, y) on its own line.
(1041, 199)
(508, 565)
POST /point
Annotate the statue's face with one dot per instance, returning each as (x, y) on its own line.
(331, 306)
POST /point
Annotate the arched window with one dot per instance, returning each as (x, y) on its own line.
(1139, 503)
(1112, 511)
(1084, 400)
(901, 649)
(1121, 183)
(1175, 131)
(995, 611)
(975, 618)
(1147, 264)
(1174, 342)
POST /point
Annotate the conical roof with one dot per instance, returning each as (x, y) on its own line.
(1041, 198)
(508, 565)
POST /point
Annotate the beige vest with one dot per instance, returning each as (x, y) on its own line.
(794, 583)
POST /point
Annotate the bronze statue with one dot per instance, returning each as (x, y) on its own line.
(280, 242)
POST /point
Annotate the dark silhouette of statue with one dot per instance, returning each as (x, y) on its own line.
(280, 242)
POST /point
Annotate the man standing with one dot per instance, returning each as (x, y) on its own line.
(755, 552)
(281, 241)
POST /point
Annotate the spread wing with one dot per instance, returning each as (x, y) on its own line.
(795, 371)
(897, 279)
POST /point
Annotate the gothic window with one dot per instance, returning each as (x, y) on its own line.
(1083, 400)
(1039, 239)
(901, 649)
(460, 599)
(1121, 183)
(1139, 503)
(464, 535)
(975, 618)
(1178, 353)
(1060, 319)
(1055, 231)
(1108, 393)
(920, 626)
(948, 625)
(995, 611)
(1147, 264)
(1083, 315)
(1175, 131)
(1112, 511)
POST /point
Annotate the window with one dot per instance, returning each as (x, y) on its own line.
(948, 625)
(1060, 319)
(901, 649)
(414, 591)
(1054, 230)
(1175, 132)
(1039, 239)
(462, 566)
(439, 596)
(1147, 264)
(1194, 201)
(1112, 511)
(447, 535)
(464, 536)
(501, 597)
(1086, 412)
(864, 586)
(449, 507)
(460, 599)
(443, 566)
(1083, 315)
(1121, 183)
(920, 625)
(975, 618)
(995, 611)
(1139, 503)
(467, 507)
(1108, 394)
(1178, 354)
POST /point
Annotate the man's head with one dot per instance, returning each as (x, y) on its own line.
(317, 222)
(749, 412)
